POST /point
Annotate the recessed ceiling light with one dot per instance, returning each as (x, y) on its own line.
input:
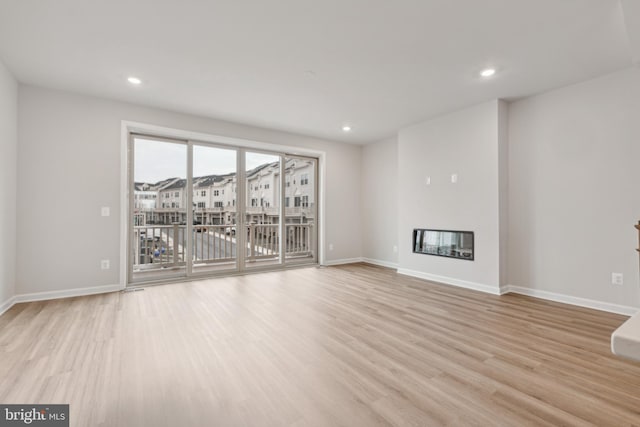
(488, 72)
(134, 80)
(346, 128)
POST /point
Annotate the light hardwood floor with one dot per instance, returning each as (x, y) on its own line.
(354, 345)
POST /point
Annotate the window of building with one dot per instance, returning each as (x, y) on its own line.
(203, 193)
(216, 192)
(201, 205)
(296, 202)
(218, 204)
(304, 179)
(266, 186)
(176, 194)
(305, 201)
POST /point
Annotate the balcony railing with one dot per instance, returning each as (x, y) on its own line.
(306, 211)
(158, 246)
(164, 246)
(263, 241)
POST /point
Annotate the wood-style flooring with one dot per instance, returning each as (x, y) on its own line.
(353, 345)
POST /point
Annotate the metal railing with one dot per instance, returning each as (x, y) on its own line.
(214, 244)
(164, 246)
(158, 246)
(299, 240)
(262, 241)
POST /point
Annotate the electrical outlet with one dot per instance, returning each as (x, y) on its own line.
(104, 264)
(105, 211)
(428, 181)
(454, 178)
(617, 279)
(330, 246)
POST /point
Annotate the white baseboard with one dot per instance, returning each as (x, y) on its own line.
(7, 305)
(66, 293)
(567, 299)
(343, 261)
(381, 263)
(451, 281)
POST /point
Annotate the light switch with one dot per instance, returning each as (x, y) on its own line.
(454, 178)
(428, 181)
(106, 211)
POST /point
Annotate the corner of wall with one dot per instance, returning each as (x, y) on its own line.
(378, 181)
(503, 189)
(8, 186)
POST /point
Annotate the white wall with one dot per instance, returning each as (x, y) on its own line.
(8, 172)
(69, 166)
(466, 143)
(380, 202)
(571, 180)
(503, 185)
(574, 189)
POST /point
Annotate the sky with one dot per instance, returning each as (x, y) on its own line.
(155, 161)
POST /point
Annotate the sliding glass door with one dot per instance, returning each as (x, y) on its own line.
(301, 230)
(199, 209)
(158, 201)
(262, 209)
(214, 182)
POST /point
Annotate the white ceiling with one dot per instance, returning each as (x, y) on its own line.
(311, 66)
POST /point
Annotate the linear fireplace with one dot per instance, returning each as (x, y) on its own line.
(447, 243)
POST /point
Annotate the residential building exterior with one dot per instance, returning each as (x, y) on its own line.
(214, 197)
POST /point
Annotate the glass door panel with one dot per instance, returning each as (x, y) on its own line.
(158, 207)
(198, 209)
(214, 206)
(262, 209)
(300, 230)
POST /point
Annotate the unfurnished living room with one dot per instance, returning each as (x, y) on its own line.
(320, 213)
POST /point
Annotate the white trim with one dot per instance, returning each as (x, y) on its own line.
(5, 306)
(67, 293)
(162, 131)
(128, 126)
(568, 299)
(451, 281)
(124, 204)
(320, 184)
(381, 263)
(343, 261)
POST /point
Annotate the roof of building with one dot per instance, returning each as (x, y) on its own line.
(178, 183)
(208, 181)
